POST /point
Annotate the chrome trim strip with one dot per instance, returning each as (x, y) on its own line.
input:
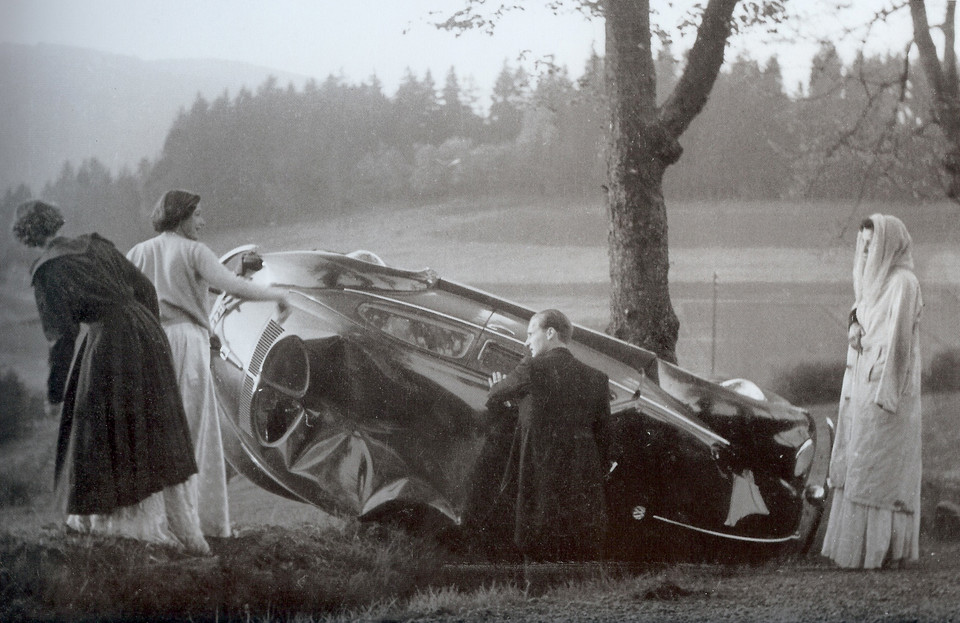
(227, 355)
(789, 487)
(500, 329)
(751, 539)
(686, 420)
(511, 338)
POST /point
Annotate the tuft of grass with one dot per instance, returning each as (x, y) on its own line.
(449, 600)
(269, 573)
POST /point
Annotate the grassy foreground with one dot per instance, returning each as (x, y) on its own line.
(264, 573)
(348, 571)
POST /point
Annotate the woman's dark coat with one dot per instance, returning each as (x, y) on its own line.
(123, 433)
(564, 419)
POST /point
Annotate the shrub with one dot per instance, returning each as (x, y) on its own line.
(811, 383)
(15, 491)
(19, 406)
(943, 375)
(820, 382)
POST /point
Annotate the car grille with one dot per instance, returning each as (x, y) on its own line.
(267, 339)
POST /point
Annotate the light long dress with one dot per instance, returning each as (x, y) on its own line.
(167, 517)
(190, 345)
(875, 467)
(183, 270)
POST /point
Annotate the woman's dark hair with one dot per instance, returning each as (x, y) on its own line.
(866, 223)
(35, 222)
(174, 207)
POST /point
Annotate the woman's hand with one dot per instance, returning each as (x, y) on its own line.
(853, 337)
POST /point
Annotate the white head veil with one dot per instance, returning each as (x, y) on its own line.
(890, 249)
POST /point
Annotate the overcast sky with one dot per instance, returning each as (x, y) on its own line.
(356, 38)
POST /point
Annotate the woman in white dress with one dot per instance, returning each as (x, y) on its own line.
(182, 270)
(875, 467)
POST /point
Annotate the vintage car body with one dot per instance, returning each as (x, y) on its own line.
(369, 400)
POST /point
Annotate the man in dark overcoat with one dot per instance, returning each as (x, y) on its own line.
(564, 419)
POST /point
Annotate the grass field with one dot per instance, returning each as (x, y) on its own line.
(782, 269)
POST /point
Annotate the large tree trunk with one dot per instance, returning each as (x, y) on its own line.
(945, 85)
(639, 153)
(642, 144)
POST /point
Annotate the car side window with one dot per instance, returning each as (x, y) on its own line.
(495, 357)
(418, 329)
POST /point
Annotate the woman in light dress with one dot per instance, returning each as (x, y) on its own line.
(124, 454)
(183, 269)
(875, 467)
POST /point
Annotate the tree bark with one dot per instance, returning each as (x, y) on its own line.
(945, 85)
(643, 142)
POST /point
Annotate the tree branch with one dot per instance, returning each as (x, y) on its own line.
(703, 65)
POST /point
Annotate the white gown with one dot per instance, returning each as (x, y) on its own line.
(875, 467)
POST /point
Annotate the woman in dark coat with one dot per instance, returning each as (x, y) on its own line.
(124, 450)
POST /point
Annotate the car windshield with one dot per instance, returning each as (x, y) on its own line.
(424, 331)
(314, 269)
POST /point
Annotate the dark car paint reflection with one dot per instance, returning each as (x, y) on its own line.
(369, 401)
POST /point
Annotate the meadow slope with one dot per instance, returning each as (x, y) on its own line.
(782, 271)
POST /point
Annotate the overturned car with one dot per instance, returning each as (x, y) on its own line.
(368, 400)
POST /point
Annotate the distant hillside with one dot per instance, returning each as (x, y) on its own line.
(62, 103)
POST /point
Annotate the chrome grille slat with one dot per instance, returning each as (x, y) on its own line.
(267, 339)
(270, 334)
(246, 394)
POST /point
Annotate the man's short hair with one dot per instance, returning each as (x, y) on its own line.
(553, 318)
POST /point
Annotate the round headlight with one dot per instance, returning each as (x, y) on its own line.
(274, 414)
(287, 367)
(275, 406)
